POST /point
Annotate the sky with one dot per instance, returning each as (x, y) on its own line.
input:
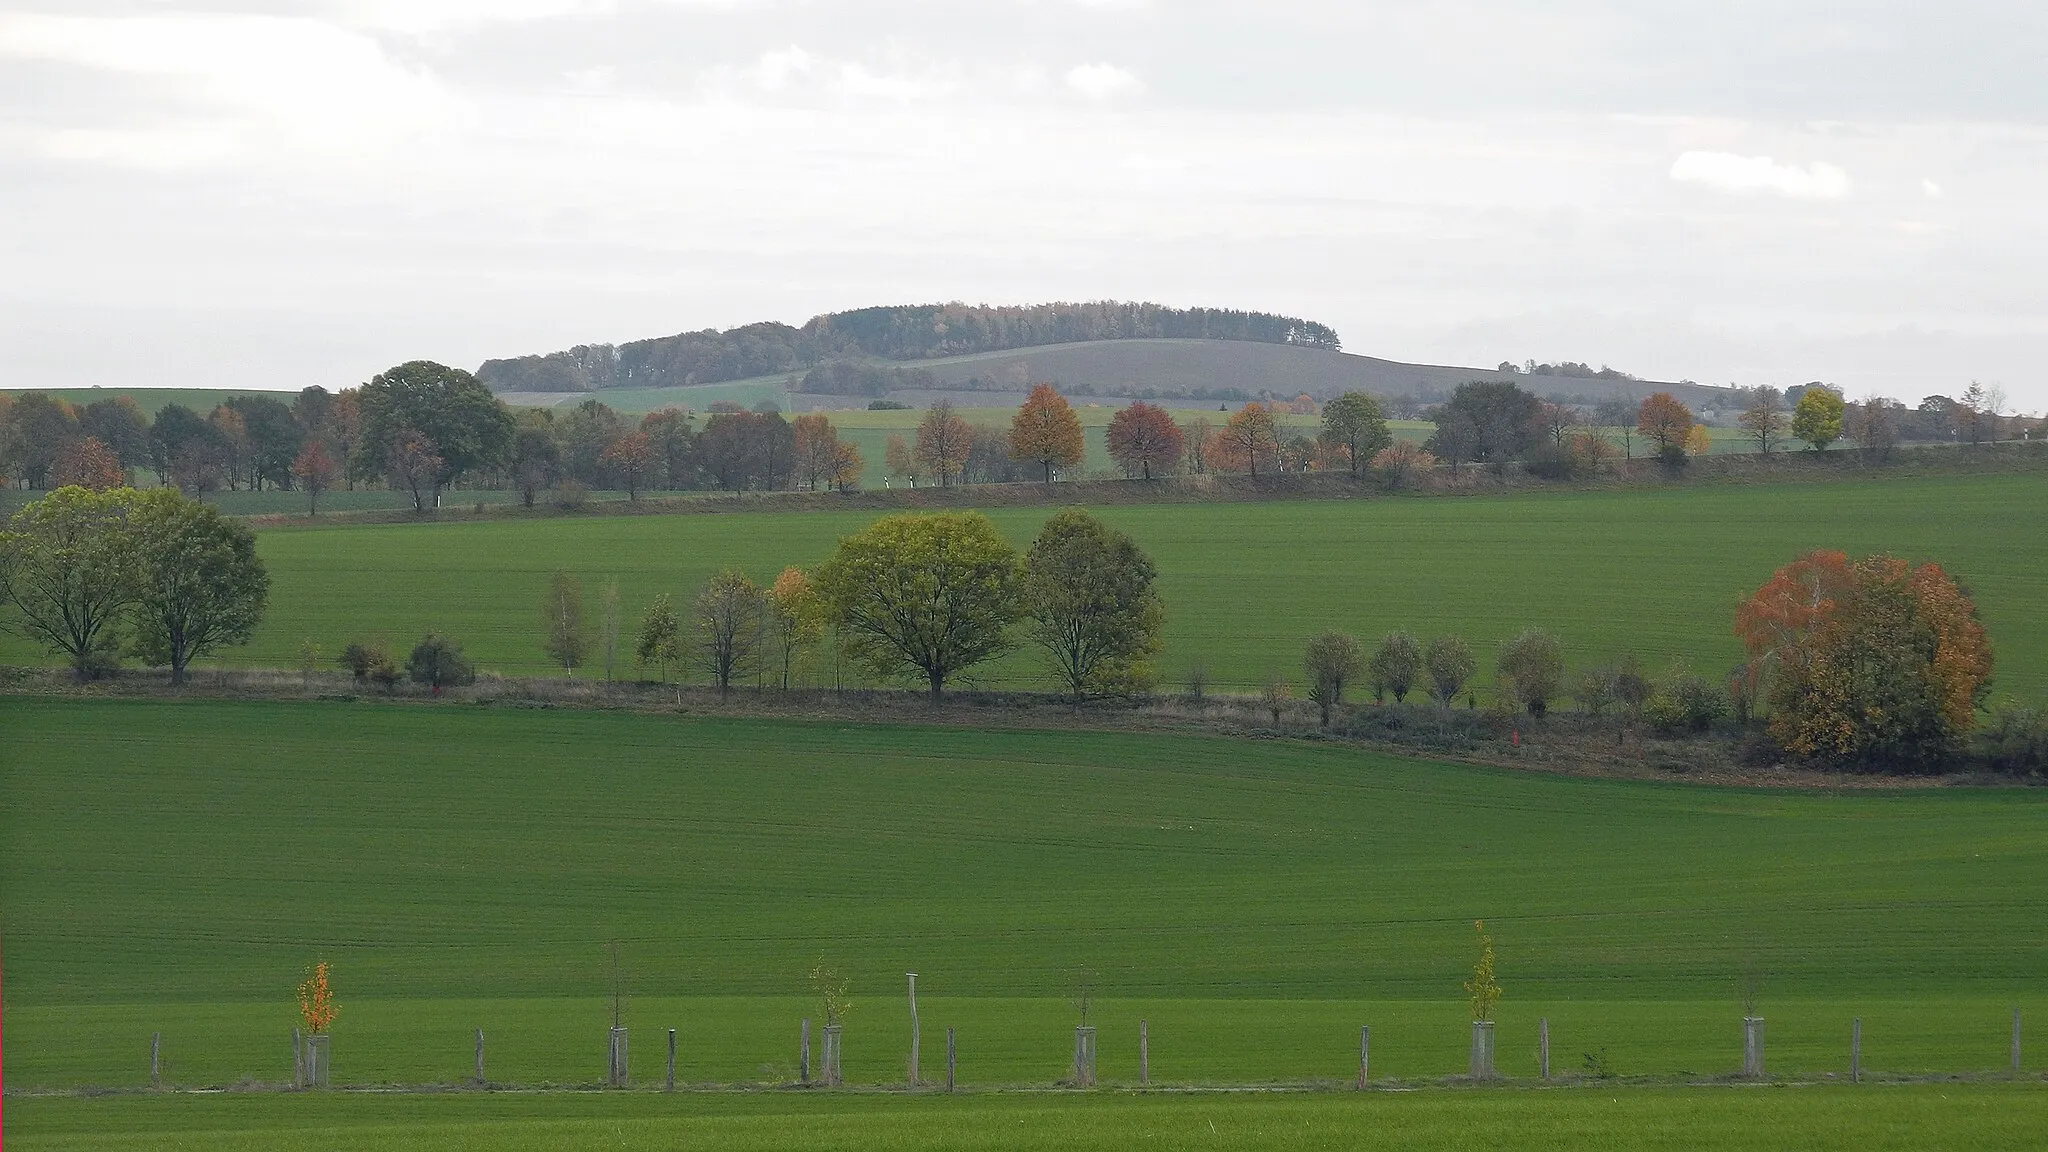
(299, 192)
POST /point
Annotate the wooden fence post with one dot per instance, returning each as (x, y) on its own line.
(1543, 1048)
(298, 1061)
(669, 1085)
(1144, 1052)
(2015, 1041)
(156, 1073)
(949, 1059)
(913, 1028)
(1364, 1054)
(480, 1058)
(1856, 1050)
(803, 1052)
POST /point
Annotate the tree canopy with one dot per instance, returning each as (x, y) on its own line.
(465, 427)
(1093, 612)
(1046, 432)
(1356, 426)
(925, 595)
(201, 584)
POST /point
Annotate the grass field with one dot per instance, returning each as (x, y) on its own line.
(1865, 1119)
(173, 867)
(1655, 572)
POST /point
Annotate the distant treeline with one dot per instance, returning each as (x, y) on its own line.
(906, 332)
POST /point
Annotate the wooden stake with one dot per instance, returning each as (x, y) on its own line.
(913, 1028)
(803, 1053)
(669, 1085)
(479, 1057)
(949, 1059)
(1856, 1050)
(298, 1061)
(1144, 1053)
(156, 1075)
(1364, 1054)
(1543, 1048)
(2015, 1041)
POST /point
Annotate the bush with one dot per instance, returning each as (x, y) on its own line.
(1684, 703)
(1533, 665)
(569, 497)
(365, 661)
(437, 662)
(887, 406)
(1595, 689)
(2015, 739)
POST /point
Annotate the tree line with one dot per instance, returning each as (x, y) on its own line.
(909, 332)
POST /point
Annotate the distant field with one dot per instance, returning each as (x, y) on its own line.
(1824, 1119)
(1653, 572)
(171, 867)
(150, 400)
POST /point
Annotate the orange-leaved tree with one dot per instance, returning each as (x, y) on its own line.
(1250, 437)
(316, 1000)
(1665, 422)
(1143, 437)
(630, 456)
(1876, 663)
(1045, 431)
(89, 464)
(817, 451)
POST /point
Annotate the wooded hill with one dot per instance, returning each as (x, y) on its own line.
(901, 333)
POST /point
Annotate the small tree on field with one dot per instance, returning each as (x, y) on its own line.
(316, 1000)
(1274, 695)
(1396, 665)
(1401, 464)
(68, 564)
(1331, 660)
(1046, 432)
(1448, 662)
(1482, 989)
(563, 638)
(929, 595)
(367, 660)
(1817, 418)
(797, 617)
(1091, 607)
(1763, 418)
(1143, 439)
(1665, 422)
(660, 643)
(202, 585)
(1533, 665)
(1250, 436)
(943, 441)
(438, 663)
(729, 626)
(1355, 426)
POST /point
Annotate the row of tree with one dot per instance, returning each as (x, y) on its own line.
(94, 576)
(920, 597)
(1874, 664)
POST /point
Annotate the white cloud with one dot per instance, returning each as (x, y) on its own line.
(1729, 172)
(1103, 81)
(1930, 189)
(774, 69)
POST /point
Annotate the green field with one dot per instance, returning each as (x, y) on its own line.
(172, 867)
(1866, 1119)
(1655, 572)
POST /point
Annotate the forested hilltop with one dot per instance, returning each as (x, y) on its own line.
(904, 332)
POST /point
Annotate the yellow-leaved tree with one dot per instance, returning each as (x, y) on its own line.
(1045, 431)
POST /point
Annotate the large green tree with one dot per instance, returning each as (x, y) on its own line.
(68, 565)
(466, 427)
(202, 585)
(1355, 423)
(929, 596)
(1092, 609)
(1817, 417)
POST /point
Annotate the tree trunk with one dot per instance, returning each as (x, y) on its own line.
(938, 680)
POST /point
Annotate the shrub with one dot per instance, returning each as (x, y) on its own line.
(569, 497)
(364, 660)
(1595, 689)
(2015, 739)
(1395, 665)
(1533, 665)
(1684, 703)
(437, 662)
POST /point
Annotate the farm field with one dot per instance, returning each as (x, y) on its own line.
(1863, 1119)
(1653, 572)
(173, 867)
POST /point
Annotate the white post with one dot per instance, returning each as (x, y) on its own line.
(1480, 1067)
(913, 1028)
(616, 1066)
(670, 1084)
(1144, 1053)
(1364, 1054)
(1752, 1046)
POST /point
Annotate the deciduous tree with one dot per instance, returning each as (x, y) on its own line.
(1664, 422)
(437, 662)
(817, 451)
(415, 465)
(1396, 665)
(467, 427)
(1401, 464)
(536, 461)
(1448, 662)
(630, 457)
(1533, 665)
(660, 643)
(1046, 432)
(1144, 439)
(1356, 425)
(1332, 660)
(897, 459)
(1817, 417)
(797, 617)
(728, 614)
(201, 584)
(69, 565)
(1763, 417)
(943, 440)
(316, 472)
(1093, 611)
(563, 636)
(930, 595)
(1250, 437)
(87, 463)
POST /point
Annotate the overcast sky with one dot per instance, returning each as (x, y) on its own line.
(290, 193)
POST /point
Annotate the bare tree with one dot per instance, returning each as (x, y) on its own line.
(1764, 417)
(729, 626)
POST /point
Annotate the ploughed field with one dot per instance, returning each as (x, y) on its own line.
(173, 867)
(1653, 572)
